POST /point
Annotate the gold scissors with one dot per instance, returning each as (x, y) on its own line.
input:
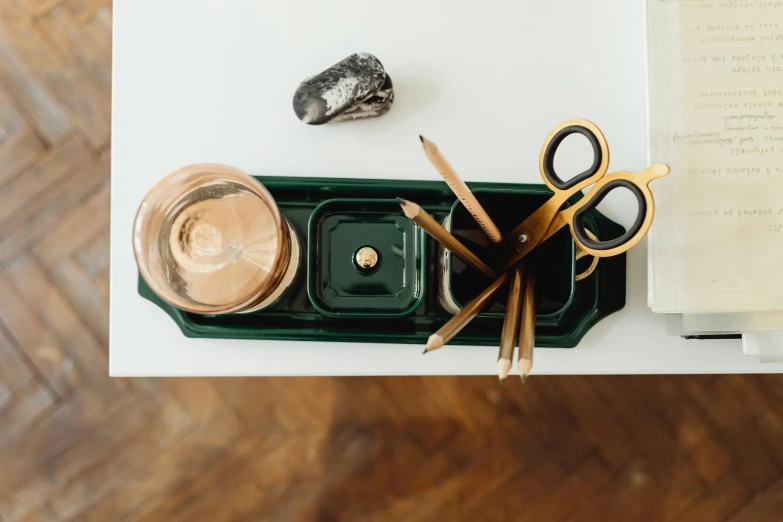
(549, 218)
(593, 265)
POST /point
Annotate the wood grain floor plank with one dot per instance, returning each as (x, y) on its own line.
(29, 468)
(458, 497)
(284, 396)
(766, 505)
(81, 11)
(765, 418)
(11, 122)
(91, 438)
(93, 257)
(750, 455)
(21, 410)
(768, 385)
(551, 419)
(52, 206)
(726, 496)
(98, 29)
(212, 457)
(41, 515)
(154, 451)
(652, 438)
(553, 504)
(34, 76)
(19, 152)
(102, 282)
(473, 402)
(50, 85)
(711, 458)
(448, 478)
(86, 51)
(355, 446)
(239, 493)
(50, 359)
(19, 146)
(595, 420)
(378, 399)
(89, 357)
(38, 7)
(73, 232)
(237, 487)
(689, 428)
(642, 492)
(16, 197)
(85, 296)
(200, 397)
(14, 372)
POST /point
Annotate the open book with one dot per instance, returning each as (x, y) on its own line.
(715, 115)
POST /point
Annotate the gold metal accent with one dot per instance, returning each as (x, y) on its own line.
(642, 180)
(366, 257)
(602, 168)
(581, 253)
(548, 219)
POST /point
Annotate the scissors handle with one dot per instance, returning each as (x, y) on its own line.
(552, 143)
(637, 183)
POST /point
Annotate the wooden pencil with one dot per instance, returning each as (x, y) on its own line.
(527, 329)
(508, 337)
(464, 316)
(461, 190)
(442, 236)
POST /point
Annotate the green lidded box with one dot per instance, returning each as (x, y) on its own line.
(338, 230)
(399, 302)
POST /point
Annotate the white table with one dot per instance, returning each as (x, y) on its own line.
(206, 81)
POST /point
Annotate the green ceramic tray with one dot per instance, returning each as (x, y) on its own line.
(295, 317)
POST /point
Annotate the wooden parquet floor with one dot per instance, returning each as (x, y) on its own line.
(78, 445)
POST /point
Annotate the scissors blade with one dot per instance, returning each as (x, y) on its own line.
(558, 223)
(528, 234)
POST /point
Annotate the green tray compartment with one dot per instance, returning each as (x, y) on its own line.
(295, 317)
(338, 228)
(554, 259)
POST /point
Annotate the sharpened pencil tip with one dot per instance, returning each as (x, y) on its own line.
(524, 379)
(428, 146)
(434, 342)
(504, 365)
(425, 351)
(410, 209)
(501, 381)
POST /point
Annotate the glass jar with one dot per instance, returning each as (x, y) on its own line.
(210, 239)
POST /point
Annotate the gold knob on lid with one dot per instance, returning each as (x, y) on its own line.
(366, 258)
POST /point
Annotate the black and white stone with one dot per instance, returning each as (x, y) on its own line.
(357, 87)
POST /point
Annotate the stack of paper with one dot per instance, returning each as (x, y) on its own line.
(715, 115)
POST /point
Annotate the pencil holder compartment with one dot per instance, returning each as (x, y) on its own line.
(366, 259)
(552, 262)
